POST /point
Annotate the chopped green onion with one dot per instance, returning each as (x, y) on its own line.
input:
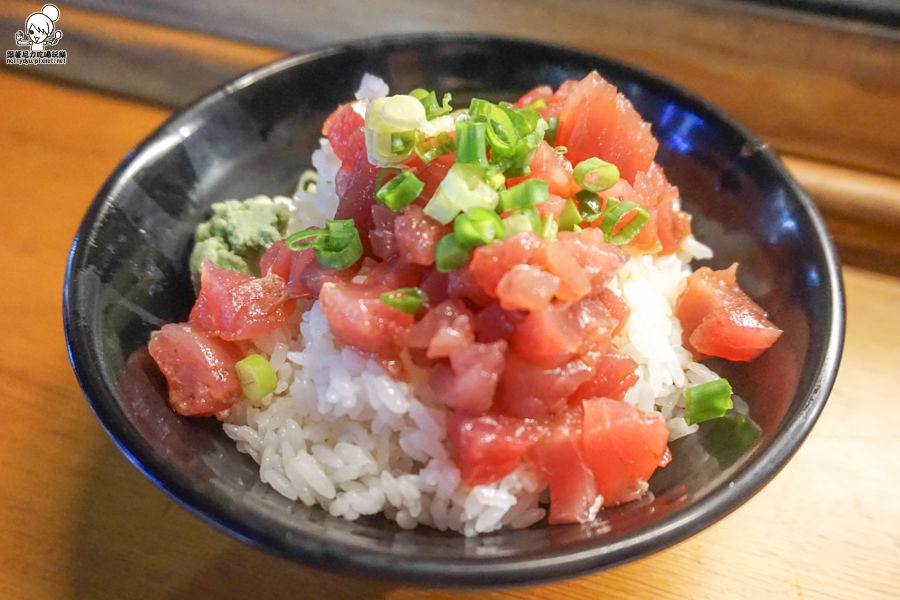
(552, 128)
(340, 247)
(569, 218)
(549, 228)
(707, 401)
(471, 147)
(408, 299)
(463, 187)
(449, 254)
(613, 214)
(431, 148)
(595, 175)
(511, 171)
(293, 241)
(497, 181)
(308, 180)
(500, 130)
(561, 150)
(590, 206)
(527, 193)
(336, 247)
(429, 101)
(522, 219)
(477, 227)
(385, 173)
(729, 437)
(517, 223)
(577, 229)
(539, 103)
(513, 135)
(400, 191)
(402, 143)
(401, 112)
(391, 125)
(257, 377)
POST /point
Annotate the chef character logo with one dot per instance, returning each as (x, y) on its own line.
(40, 33)
(40, 30)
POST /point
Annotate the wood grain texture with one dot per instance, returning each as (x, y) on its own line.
(80, 523)
(819, 87)
(861, 210)
(167, 67)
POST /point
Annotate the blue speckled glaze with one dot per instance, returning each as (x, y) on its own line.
(128, 274)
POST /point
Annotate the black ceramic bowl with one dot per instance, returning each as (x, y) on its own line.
(128, 275)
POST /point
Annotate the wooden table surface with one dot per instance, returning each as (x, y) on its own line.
(79, 522)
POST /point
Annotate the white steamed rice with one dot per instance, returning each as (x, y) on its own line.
(340, 433)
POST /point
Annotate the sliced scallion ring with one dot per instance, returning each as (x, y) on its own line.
(707, 401)
(428, 149)
(401, 191)
(570, 217)
(258, 378)
(590, 206)
(552, 128)
(408, 299)
(430, 102)
(478, 226)
(614, 215)
(403, 142)
(549, 228)
(336, 247)
(595, 175)
(471, 146)
(528, 193)
(449, 254)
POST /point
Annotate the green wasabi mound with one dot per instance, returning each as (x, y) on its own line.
(237, 235)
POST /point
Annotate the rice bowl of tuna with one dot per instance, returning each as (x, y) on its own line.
(474, 315)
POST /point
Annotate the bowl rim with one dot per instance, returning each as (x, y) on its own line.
(489, 572)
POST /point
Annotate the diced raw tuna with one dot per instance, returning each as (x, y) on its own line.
(599, 259)
(469, 383)
(560, 456)
(597, 120)
(719, 319)
(234, 306)
(530, 391)
(462, 283)
(308, 276)
(555, 335)
(617, 308)
(416, 234)
(488, 447)
(358, 317)
(614, 375)
(343, 128)
(355, 189)
(381, 237)
(491, 262)
(574, 283)
(526, 287)
(550, 166)
(492, 323)
(276, 259)
(622, 446)
(198, 367)
(395, 273)
(443, 330)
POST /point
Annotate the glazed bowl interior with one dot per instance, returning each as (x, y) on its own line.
(128, 275)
